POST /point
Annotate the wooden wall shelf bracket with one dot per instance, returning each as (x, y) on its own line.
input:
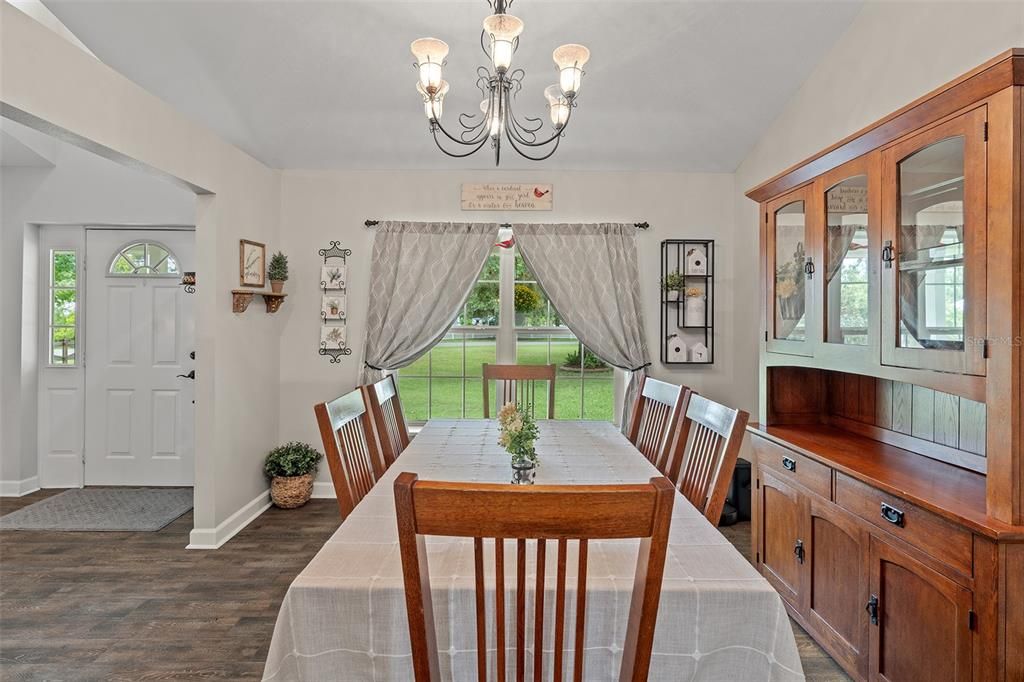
(273, 301)
(240, 299)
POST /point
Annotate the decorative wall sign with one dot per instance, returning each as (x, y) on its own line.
(510, 196)
(848, 199)
(334, 302)
(252, 263)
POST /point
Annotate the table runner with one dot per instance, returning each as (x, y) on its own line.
(343, 617)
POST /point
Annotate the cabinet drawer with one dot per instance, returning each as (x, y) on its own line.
(793, 467)
(928, 532)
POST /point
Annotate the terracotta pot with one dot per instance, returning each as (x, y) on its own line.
(289, 492)
(276, 285)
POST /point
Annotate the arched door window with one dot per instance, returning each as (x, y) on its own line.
(144, 259)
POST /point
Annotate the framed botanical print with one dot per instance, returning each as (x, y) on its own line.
(332, 277)
(252, 263)
(332, 338)
(334, 306)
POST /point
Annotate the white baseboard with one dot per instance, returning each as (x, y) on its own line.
(19, 488)
(214, 538)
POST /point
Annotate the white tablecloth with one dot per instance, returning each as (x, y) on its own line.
(344, 618)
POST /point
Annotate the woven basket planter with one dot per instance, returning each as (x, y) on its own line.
(289, 492)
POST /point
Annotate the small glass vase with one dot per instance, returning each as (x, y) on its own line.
(523, 472)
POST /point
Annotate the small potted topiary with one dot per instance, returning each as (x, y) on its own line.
(672, 283)
(291, 468)
(277, 272)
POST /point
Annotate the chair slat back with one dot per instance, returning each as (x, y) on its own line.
(657, 423)
(516, 515)
(350, 447)
(714, 439)
(386, 410)
(518, 384)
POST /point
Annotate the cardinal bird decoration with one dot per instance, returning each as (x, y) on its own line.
(537, 192)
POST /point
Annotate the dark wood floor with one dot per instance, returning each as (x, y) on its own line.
(139, 606)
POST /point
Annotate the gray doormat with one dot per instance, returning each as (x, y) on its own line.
(90, 509)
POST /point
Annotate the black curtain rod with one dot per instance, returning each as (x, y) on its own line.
(640, 226)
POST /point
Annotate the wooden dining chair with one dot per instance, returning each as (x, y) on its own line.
(351, 449)
(519, 385)
(715, 433)
(541, 512)
(382, 401)
(657, 428)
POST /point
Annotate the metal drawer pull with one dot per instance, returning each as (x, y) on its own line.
(789, 464)
(892, 514)
(798, 550)
(872, 609)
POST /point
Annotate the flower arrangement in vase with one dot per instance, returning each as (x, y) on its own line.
(695, 307)
(518, 435)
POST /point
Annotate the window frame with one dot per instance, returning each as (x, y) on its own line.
(507, 336)
(147, 275)
(51, 289)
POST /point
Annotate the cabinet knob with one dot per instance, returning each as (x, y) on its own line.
(887, 254)
(809, 267)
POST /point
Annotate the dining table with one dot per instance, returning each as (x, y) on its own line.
(344, 616)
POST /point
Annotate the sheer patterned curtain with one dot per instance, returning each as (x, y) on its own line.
(420, 277)
(915, 238)
(590, 273)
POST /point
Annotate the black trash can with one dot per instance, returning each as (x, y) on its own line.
(737, 501)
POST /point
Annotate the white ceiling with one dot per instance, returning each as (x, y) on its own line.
(682, 86)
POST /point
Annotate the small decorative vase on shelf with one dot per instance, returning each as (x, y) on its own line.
(672, 295)
(276, 285)
(696, 305)
(518, 434)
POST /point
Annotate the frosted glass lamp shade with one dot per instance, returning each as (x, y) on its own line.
(494, 120)
(430, 54)
(570, 60)
(558, 106)
(433, 105)
(502, 30)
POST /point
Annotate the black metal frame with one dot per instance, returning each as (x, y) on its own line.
(334, 251)
(673, 259)
(499, 88)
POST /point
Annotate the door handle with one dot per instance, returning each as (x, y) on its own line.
(809, 268)
(887, 256)
(191, 375)
(798, 550)
(872, 609)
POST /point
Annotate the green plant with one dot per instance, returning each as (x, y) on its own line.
(278, 268)
(527, 298)
(673, 281)
(291, 459)
(590, 361)
(518, 433)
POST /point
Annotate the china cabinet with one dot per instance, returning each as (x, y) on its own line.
(889, 488)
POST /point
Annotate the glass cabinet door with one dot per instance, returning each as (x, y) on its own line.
(790, 267)
(934, 249)
(847, 309)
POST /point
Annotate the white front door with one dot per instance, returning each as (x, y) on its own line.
(139, 414)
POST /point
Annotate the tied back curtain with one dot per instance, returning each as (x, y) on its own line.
(590, 273)
(420, 276)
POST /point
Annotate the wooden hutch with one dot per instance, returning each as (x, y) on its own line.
(889, 494)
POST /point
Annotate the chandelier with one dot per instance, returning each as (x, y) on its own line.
(499, 85)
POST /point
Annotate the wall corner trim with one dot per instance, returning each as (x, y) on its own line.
(214, 538)
(19, 488)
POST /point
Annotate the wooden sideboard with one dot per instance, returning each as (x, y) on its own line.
(889, 488)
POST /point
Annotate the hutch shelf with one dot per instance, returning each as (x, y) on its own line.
(889, 487)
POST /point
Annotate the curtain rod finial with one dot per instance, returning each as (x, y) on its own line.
(371, 223)
(642, 226)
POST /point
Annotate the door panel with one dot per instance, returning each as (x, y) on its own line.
(838, 584)
(923, 631)
(783, 511)
(792, 322)
(935, 236)
(139, 333)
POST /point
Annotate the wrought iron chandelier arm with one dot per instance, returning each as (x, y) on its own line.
(557, 140)
(556, 136)
(481, 136)
(472, 151)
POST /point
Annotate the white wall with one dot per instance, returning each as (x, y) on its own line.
(893, 53)
(81, 188)
(50, 84)
(319, 206)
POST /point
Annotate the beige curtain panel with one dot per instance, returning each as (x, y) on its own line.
(420, 276)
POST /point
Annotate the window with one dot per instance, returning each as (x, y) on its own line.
(447, 383)
(63, 299)
(144, 259)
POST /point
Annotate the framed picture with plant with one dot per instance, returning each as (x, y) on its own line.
(252, 263)
(332, 277)
(334, 306)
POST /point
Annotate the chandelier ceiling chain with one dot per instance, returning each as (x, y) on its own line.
(499, 85)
